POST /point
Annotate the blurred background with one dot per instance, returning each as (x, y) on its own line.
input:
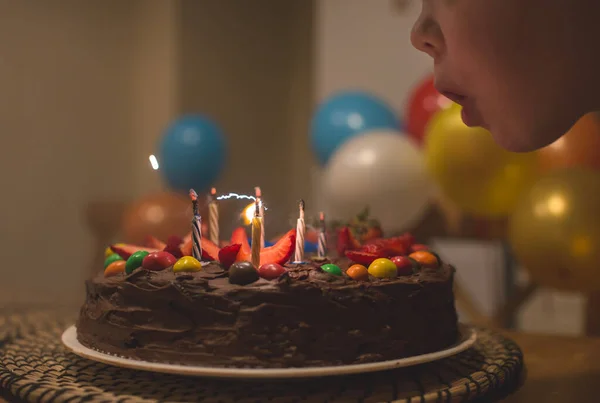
(111, 110)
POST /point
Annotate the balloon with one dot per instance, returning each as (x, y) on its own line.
(192, 153)
(159, 215)
(580, 146)
(555, 230)
(345, 115)
(381, 170)
(472, 171)
(423, 103)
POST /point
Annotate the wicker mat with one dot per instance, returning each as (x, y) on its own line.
(34, 366)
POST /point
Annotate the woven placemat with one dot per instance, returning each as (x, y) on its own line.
(36, 367)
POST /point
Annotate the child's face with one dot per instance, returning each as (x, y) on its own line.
(524, 69)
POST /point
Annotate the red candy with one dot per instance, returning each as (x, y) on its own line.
(157, 261)
(271, 271)
(404, 264)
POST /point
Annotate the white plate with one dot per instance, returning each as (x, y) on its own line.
(69, 339)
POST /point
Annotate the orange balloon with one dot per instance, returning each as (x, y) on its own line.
(159, 215)
(579, 147)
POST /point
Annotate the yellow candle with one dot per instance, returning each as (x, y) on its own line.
(213, 217)
(256, 234)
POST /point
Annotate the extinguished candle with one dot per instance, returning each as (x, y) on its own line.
(196, 226)
(261, 207)
(322, 239)
(213, 217)
(300, 228)
(256, 231)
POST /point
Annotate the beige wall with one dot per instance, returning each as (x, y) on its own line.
(87, 87)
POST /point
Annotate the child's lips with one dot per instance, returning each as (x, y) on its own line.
(470, 115)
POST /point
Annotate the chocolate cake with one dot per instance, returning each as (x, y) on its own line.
(306, 316)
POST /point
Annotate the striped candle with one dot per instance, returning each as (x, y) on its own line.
(322, 239)
(300, 228)
(256, 230)
(261, 213)
(213, 217)
(196, 227)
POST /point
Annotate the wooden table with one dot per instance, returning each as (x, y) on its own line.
(559, 369)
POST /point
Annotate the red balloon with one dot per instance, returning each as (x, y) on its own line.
(423, 103)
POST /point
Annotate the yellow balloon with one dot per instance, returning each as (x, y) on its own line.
(555, 230)
(473, 171)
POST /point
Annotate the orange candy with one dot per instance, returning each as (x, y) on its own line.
(425, 259)
(115, 268)
(358, 272)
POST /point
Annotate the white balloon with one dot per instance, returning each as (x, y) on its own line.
(383, 170)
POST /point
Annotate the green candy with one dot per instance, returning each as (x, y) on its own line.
(135, 261)
(332, 269)
(111, 258)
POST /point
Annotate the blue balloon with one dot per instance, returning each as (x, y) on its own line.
(192, 153)
(345, 115)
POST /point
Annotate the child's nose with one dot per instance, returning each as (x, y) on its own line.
(427, 36)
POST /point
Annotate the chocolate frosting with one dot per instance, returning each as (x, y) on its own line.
(304, 318)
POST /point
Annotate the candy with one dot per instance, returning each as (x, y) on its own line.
(157, 261)
(405, 265)
(187, 264)
(271, 271)
(113, 257)
(425, 259)
(358, 272)
(383, 268)
(332, 269)
(116, 267)
(242, 273)
(135, 261)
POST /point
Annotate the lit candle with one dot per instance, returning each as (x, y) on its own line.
(256, 230)
(261, 207)
(299, 252)
(196, 225)
(213, 217)
(322, 240)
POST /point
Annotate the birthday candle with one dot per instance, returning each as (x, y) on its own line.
(258, 198)
(213, 217)
(299, 251)
(256, 230)
(322, 240)
(196, 225)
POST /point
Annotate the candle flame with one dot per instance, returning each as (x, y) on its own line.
(257, 192)
(322, 216)
(248, 213)
(213, 191)
(153, 162)
(193, 195)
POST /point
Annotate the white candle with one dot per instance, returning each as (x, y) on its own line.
(300, 227)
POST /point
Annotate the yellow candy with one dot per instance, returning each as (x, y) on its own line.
(115, 268)
(187, 263)
(383, 268)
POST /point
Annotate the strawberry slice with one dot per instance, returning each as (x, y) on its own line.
(399, 245)
(346, 241)
(153, 242)
(281, 252)
(228, 254)
(173, 246)
(239, 236)
(126, 250)
(360, 257)
(376, 250)
(210, 251)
